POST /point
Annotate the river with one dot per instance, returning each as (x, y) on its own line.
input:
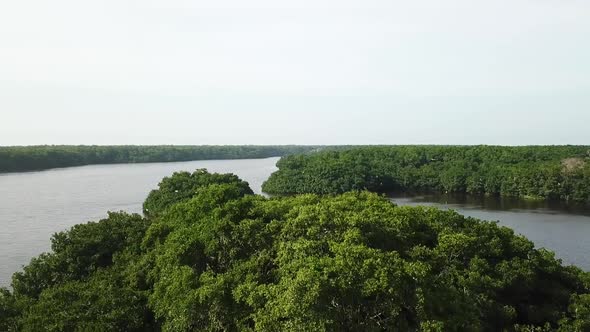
(34, 205)
(557, 226)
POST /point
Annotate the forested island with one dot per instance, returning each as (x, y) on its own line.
(34, 158)
(208, 255)
(532, 172)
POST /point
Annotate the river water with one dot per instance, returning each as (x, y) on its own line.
(34, 205)
(562, 228)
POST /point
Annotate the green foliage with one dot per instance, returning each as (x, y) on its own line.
(30, 158)
(102, 303)
(551, 172)
(81, 251)
(181, 186)
(9, 311)
(218, 258)
(350, 262)
(580, 314)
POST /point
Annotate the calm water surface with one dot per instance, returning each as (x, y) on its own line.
(562, 228)
(35, 205)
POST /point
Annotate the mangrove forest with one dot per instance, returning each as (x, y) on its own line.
(208, 255)
(34, 158)
(531, 172)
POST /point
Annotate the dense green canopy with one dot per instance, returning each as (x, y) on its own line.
(31, 158)
(215, 257)
(553, 172)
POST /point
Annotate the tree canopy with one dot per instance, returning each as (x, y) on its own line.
(215, 257)
(538, 172)
(32, 158)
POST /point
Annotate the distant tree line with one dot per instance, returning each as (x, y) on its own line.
(541, 172)
(210, 256)
(30, 158)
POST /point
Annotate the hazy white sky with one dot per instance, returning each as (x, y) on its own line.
(300, 72)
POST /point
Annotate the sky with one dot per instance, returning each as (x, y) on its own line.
(509, 72)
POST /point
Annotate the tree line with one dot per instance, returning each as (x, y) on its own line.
(31, 158)
(208, 255)
(538, 172)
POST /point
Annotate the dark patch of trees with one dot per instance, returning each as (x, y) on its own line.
(31, 158)
(211, 256)
(542, 172)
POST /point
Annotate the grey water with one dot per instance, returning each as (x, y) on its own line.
(557, 226)
(34, 205)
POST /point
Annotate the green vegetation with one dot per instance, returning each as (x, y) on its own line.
(31, 158)
(532, 172)
(211, 256)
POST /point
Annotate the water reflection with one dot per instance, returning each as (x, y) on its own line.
(494, 203)
(557, 226)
